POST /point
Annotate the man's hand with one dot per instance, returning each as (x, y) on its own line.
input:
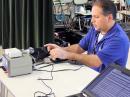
(58, 53)
(51, 46)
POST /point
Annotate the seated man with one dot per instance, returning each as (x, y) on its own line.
(105, 43)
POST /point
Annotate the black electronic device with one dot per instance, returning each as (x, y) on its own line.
(58, 60)
(114, 81)
(38, 54)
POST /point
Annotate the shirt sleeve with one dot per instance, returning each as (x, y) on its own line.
(84, 42)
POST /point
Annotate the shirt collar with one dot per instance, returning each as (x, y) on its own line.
(112, 31)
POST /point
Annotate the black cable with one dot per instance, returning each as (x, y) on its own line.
(39, 92)
(50, 93)
(51, 73)
(60, 70)
(42, 63)
(42, 66)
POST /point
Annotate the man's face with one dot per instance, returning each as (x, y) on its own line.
(99, 21)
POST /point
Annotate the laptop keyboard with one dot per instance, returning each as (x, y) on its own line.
(115, 84)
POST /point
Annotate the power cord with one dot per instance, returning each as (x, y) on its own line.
(60, 70)
(51, 73)
(45, 94)
(50, 93)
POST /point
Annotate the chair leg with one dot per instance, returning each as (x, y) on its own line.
(79, 24)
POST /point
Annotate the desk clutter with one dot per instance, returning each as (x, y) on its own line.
(18, 62)
(26, 61)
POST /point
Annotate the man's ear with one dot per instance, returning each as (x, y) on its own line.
(110, 17)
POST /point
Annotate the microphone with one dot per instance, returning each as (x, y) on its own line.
(30, 50)
(38, 54)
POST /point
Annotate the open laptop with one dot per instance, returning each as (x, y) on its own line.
(114, 81)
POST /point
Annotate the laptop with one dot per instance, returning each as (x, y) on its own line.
(114, 81)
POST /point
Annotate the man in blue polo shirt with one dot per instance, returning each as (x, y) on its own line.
(106, 42)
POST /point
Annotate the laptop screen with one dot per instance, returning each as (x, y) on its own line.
(112, 82)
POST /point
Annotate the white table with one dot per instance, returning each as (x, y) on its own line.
(64, 82)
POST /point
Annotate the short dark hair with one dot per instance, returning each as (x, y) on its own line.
(108, 7)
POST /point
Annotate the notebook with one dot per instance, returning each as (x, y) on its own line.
(114, 81)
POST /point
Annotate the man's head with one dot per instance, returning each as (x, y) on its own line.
(103, 14)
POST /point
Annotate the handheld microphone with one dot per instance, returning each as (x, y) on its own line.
(38, 53)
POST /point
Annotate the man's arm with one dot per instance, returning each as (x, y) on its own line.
(74, 48)
(89, 60)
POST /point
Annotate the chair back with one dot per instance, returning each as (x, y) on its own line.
(80, 2)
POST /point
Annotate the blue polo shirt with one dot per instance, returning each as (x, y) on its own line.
(112, 48)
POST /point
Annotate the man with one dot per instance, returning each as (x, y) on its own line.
(105, 43)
